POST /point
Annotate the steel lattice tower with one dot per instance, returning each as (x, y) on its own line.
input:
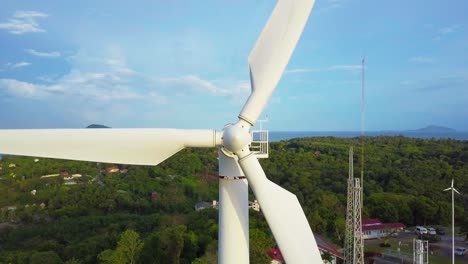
(357, 224)
(354, 247)
(349, 231)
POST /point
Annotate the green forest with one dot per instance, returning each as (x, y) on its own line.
(145, 214)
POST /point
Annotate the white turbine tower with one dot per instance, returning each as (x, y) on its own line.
(453, 219)
(281, 208)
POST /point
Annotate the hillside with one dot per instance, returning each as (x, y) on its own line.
(433, 129)
(97, 126)
(404, 179)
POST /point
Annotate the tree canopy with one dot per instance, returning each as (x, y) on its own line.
(144, 214)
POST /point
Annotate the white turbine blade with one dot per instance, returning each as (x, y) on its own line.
(124, 146)
(455, 190)
(452, 184)
(272, 52)
(448, 189)
(284, 215)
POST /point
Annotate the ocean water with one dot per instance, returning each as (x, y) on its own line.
(275, 136)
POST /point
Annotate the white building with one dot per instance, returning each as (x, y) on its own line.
(204, 205)
(254, 205)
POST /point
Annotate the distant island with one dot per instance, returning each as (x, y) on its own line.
(97, 126)
(433, 129)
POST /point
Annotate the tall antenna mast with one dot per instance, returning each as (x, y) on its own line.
(363, 108)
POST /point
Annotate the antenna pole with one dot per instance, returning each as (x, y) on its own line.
(363, 108)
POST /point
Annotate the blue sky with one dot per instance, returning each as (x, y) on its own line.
(183, 64)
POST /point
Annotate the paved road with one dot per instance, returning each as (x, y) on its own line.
(443, 248)
(446, 247)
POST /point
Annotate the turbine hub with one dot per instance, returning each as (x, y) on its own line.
(236, 136)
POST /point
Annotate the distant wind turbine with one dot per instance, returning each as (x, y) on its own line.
(453, 220)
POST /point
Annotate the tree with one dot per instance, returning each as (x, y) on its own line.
(164, 247)
(210, 256)
(73, 261)
(130, 245)
(340, 225)
(127, 250)
(318, 224)
(259, 245)
(326, 256)
(49, 257)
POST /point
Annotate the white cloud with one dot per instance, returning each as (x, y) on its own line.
(449, 29)
(340, 67)
(220, 88)
(47, 78)
(28, 90)
(301, 70)
(52, 54)
(21, 64)
(335, 4)
(29, 14)
(23, 22)
(200, 83)
(18, 87)
(352, 67)
(446, 31)
(92, 86)
(109, 80)
(331, 4)
(101, 87)
(422, 60)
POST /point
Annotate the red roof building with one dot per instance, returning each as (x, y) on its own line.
(275, 255)
(374, 228)
(154, 195)
(323, 245)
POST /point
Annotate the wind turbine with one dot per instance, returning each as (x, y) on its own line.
(453, 220)
(237, 163)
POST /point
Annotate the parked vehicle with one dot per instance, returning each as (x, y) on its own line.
(440, 231)
(431, 231)
(459, 251)
(420, 230)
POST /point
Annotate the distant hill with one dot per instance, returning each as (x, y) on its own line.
(433, 129)
(97, 126)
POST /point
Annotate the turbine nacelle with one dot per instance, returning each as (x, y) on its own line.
(236, 136)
